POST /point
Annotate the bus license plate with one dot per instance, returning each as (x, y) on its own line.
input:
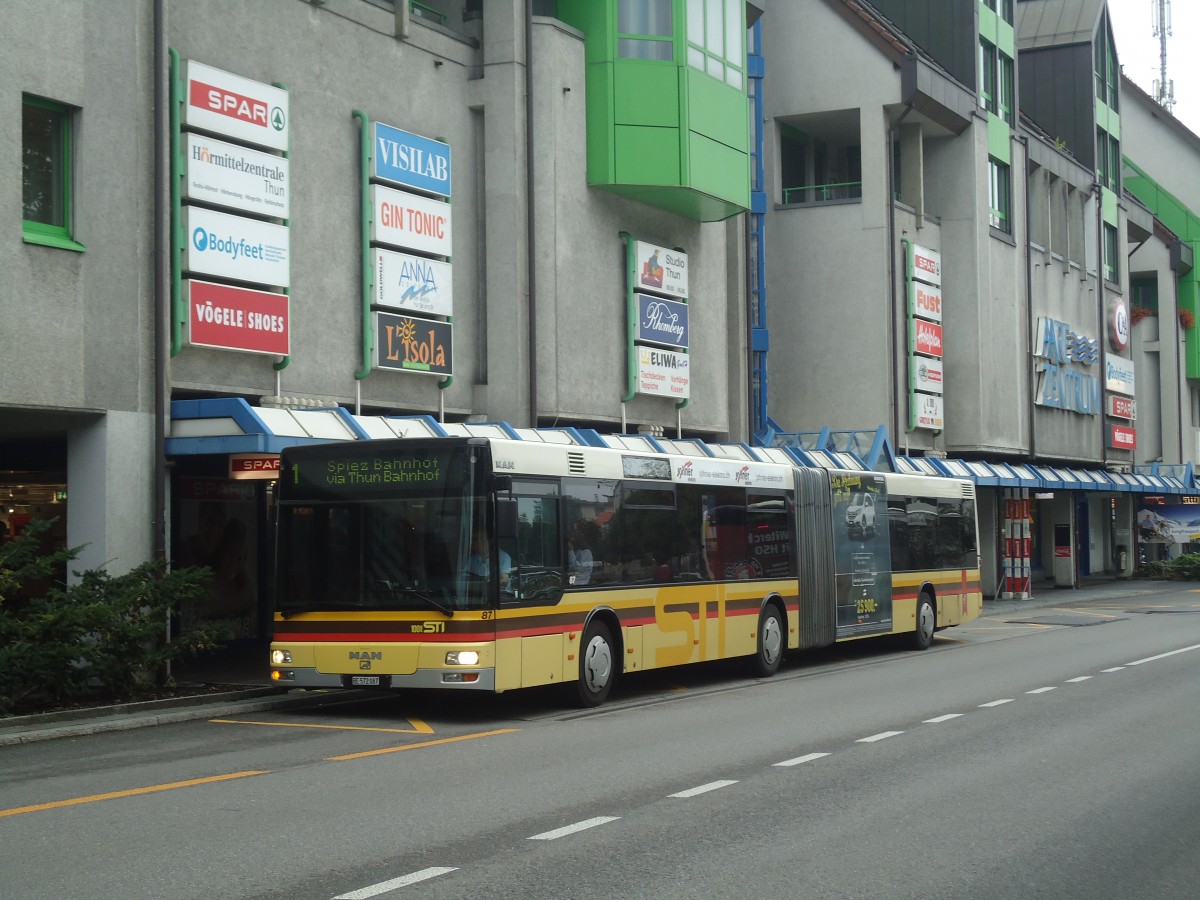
(364, 681)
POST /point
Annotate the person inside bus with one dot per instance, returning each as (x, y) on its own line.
(579, 559)
(478, 561)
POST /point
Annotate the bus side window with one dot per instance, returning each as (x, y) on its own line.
(538, 561)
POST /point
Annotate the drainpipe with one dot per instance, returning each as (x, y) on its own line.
(530, 217)
(1030, 397)
(162, 277)
(893, 333)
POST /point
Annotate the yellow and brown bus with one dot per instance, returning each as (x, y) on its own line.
(481, 563)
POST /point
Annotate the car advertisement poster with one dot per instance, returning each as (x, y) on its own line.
(862, 555)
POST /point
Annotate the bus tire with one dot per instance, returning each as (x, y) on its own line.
(597, 665)
(772, 642)
(922, 637)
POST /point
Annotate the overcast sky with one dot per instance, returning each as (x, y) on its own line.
(1138, 50)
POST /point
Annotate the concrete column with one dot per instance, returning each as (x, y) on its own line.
(110, 467)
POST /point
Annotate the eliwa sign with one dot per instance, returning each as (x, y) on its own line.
(253, 186)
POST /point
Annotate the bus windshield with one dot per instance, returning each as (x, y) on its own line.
(394, 544)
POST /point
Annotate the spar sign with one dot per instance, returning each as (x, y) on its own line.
(227, 104)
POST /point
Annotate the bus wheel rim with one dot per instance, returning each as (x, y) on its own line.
(772, 639)
(926, 621)
(597, 666)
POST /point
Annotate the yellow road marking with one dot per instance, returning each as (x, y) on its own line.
(132, 792)
(418, 727)
(450, 740)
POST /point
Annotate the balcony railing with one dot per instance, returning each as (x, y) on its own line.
(823, 193)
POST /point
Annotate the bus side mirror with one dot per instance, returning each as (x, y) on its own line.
(506, 518)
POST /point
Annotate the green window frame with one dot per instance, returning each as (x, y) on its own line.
(998, 196)
(987, 75)
(1005, 85)
(646, 30)
(46, 173)
(1111, 270)
(716, 33)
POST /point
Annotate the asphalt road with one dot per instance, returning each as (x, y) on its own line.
(1049, 754)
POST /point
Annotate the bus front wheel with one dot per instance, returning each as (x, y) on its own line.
(922, 638)
(771, 642)
(597, 670)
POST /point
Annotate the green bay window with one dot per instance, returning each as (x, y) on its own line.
(667, 108)
(645, 30)
(714, 37)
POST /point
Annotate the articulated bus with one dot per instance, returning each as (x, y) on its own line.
(488, 564)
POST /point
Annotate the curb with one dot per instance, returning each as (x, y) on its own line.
(78, 723)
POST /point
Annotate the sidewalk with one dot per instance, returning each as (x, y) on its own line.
(250, 688)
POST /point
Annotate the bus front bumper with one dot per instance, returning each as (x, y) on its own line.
(460, 679)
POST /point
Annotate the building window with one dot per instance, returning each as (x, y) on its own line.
(1005, 87)
(1144, 289)
(715, 34)
(46, 173)
(1102, 156)
(987, 75)
(645, 30)
(1111, 272)
(1114, 164)
(998, 196)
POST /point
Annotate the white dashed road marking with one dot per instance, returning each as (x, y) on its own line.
(1040, 690)
(995, 703)
(1114, 669)
(878, 737)
(403, 881)
(1079, 679)
(573, 829)
(946, 718)
(704, 788)
(808, 757)
(1164, 655)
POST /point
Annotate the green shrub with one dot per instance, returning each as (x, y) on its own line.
(105, 635)
(1185, 567)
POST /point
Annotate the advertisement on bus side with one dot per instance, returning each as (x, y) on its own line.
(862, 555)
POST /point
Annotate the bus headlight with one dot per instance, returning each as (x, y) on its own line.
(462, 658)
(281, 657)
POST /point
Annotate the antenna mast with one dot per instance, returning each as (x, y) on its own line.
(1164, 88)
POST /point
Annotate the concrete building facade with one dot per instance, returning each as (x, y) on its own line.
(946, 242)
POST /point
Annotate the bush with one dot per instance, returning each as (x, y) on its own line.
(105, 636)
(1185, 567)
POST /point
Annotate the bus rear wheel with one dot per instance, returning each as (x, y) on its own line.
(597, 670)
(922, 638)
(771, 643)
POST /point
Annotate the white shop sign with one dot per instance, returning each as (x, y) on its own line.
(236, 177)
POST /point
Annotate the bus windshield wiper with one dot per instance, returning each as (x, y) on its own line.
(419, 594)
